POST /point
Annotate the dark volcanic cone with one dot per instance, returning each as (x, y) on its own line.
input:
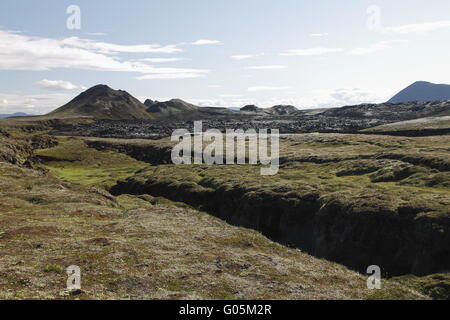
(102, 102)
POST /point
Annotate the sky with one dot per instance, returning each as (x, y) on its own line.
(220, 53)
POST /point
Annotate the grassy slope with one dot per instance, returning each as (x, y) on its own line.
(142, 247)
(73, 161)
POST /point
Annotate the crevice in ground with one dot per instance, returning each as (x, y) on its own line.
(326, 228)
(403, 240)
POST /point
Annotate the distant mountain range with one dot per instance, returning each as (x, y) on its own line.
(422, 91)
(103, 103)
(177, 109)
(17, 114)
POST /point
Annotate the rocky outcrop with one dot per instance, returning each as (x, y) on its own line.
(283, 110)
(19, 151)
(278, 110)
(250, 108)
(149, 102)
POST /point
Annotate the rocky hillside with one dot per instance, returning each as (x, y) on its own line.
(17, 146)
(102, 102)
(177, 109)
(422, 91)
(392, 112)
(172, 107)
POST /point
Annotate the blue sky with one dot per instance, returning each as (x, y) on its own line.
(221, 53)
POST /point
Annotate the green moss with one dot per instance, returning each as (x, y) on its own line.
(73, 161)
(435, 286)
(225, 295)
(174, 285)
(388, 295)
(54, 268)
(130, 246)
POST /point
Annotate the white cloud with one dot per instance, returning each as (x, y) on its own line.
(376, 47)
(419, 28)
(339, 97)
(269, 67)
(205, 42)
(310, 51)
(20, 52)
(242, 57)
(96, 33)
(178, 75)
(33, 104)
(56, 85)
(108, 48)
(246, 56)
(162, 60)
(222, 103)
(351, 96)
(379, 46)
(327, 98)
(266, 88)
(318, 35)
(214, 86)
(230, 95)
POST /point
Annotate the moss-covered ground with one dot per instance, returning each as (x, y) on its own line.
(141, 247)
